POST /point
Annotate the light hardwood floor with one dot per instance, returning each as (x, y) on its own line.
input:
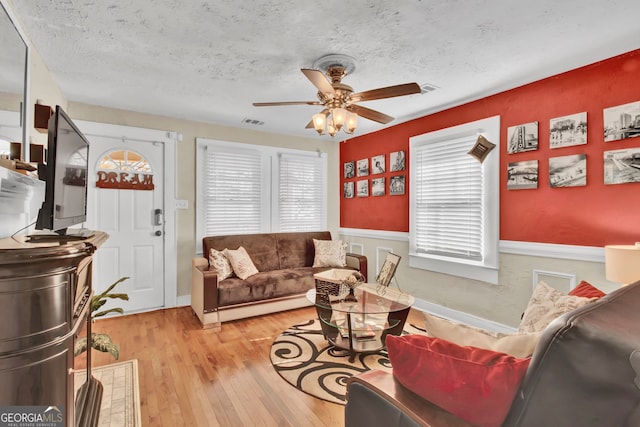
(191, 376)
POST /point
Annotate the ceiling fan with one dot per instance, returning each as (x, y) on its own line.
(341, 110)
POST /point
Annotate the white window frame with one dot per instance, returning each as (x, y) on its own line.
(270, 197)
(485, 270)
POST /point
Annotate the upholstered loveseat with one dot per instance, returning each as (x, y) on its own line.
(285, 269)
(584, 371)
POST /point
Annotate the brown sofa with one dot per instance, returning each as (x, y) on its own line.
(585, 371)
(284, 262)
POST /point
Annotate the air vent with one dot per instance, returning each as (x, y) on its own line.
(253, 122)
(427, 87)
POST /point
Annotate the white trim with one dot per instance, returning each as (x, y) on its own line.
(360, 247)
(550, 250)
(170, 142)
(375, 234)
(461, 316)
(571, 278)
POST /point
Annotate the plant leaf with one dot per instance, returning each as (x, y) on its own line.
(102, 342)
(111, 310)
(80, 346)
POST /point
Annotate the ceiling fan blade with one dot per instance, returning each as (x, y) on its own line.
(370, 114)
(310, 124)
(386, 92)
(319, 80)
(275, 104)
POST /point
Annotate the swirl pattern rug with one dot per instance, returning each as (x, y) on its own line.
(304, 358)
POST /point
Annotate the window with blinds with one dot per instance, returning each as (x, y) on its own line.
(449, 193)
(242, 189)
(301, 194)
(454, 202)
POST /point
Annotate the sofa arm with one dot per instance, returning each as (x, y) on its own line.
(375, 398)
(358, 262)
(204, 286)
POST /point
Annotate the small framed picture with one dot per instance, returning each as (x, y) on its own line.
(349, 169)
(363, 167)
(363, 188)
(396, 161)
(568, 130)
(377, 187)
(377, 164)
(568, 171)
(522, 138)
(522, 175)
(396, 185)
(348, 190)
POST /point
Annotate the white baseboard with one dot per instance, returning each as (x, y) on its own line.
(460, 316)
(183, 300)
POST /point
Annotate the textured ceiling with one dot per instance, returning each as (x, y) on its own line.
(208, 61)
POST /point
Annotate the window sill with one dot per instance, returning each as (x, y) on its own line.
(460, 268)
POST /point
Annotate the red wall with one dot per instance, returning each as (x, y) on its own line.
(592, 215)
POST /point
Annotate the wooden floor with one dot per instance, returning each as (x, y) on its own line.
(191, 376)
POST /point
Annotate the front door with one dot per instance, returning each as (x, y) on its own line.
(133, 217)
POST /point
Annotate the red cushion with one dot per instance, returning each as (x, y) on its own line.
(475, 384)
(586, 290)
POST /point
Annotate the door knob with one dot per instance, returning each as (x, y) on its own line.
(158, 233)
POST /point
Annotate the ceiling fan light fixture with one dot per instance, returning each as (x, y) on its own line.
(352, 122)
(339, 117)
(331, 130)
(319, 121)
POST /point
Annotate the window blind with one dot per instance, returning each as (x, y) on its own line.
(301, 193)
(232, 187)
(449, 199)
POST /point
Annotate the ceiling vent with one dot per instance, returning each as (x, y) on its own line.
(427, 87)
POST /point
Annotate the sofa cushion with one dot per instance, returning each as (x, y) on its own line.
(219, 262)
(262, 248)
(517, 344)
(545, 304)
(241, 262)
(475, 384)
(330, 253)
(265, 285)
(296, 249)
(586, 290)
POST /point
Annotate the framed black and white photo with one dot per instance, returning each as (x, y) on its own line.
(522, 138)
(349, 169)
(396, 185)
(622, 121)
(622, 166)
(377, 164)
(363, 188)
(568, 130)
(363, 167)
(396, 161)
(377, 187)
(568, 171)
(522, 175)
(348, 190)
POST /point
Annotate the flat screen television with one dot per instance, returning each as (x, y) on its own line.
(65, 201)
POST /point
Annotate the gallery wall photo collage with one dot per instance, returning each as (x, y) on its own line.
(357, 172)
(620, 166)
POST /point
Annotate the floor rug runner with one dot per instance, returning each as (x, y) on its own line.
(304, 358)
(121, 393)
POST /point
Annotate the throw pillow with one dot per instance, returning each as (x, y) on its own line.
(586, 290)
(545, 305)
(475, 384)
(517, 344)
(241, 262)
(218, 261)
(330, 253)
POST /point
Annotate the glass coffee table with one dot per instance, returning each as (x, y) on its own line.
(360, 324)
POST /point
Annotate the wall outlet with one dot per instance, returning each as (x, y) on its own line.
(182, 204)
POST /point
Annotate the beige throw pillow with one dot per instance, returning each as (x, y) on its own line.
(330, 253)
(517, 344)
(218, 261)
(241, 262)
(545, 305)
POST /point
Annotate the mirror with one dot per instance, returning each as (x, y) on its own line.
(13, 87)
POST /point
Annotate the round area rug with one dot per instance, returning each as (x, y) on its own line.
(304, 358)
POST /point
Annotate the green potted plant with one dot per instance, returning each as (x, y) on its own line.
(102, 342)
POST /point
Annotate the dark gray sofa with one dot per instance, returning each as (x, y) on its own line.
(585, 371)
(284, 262)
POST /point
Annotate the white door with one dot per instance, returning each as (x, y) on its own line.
(133, 218)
